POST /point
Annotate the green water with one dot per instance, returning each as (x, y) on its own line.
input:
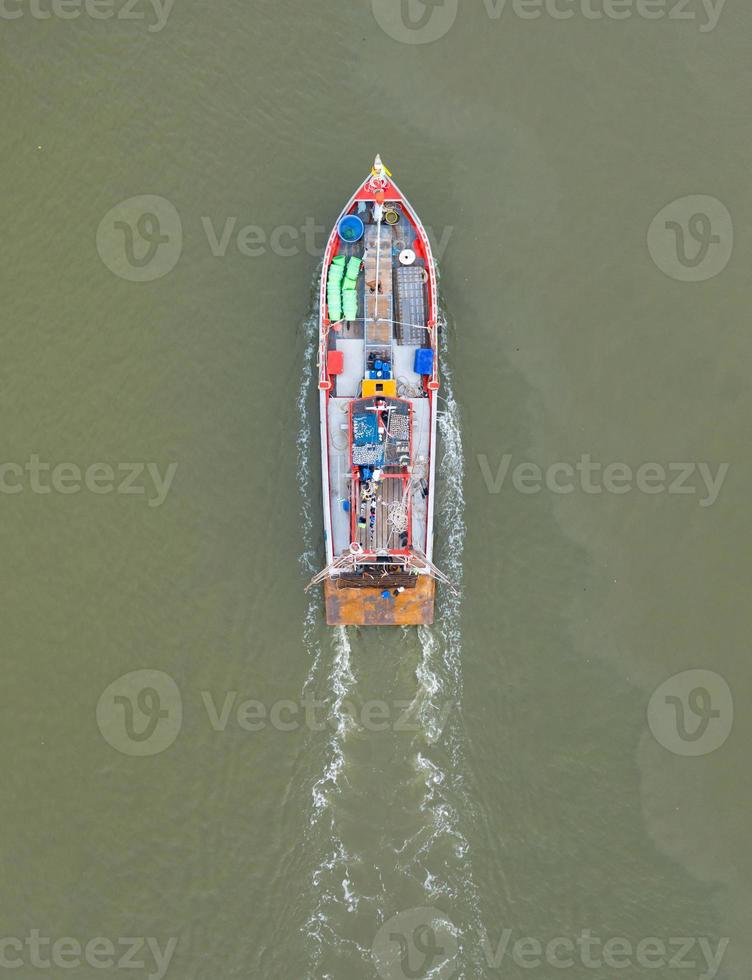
(271, 793)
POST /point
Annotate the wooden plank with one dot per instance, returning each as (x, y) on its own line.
(378, 302)
(390, 580)
(380, 333)
(365, 607)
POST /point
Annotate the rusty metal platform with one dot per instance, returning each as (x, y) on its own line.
(365, 607)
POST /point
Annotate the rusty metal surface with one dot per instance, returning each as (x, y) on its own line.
(366, 607)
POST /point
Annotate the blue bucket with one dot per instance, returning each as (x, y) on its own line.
(350, 228)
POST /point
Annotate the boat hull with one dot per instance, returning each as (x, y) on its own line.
(378, 510)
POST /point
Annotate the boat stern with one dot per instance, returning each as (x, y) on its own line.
(348, 605)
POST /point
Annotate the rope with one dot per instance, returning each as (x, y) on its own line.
(397, 512)
(433, 570)
(419, 471)
(338, 564)
(405, 389)
(382, 319)
(339, 441)
(400, 323)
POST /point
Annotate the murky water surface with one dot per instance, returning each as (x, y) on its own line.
(191, 756)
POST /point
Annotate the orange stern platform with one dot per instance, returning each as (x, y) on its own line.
(366, 607)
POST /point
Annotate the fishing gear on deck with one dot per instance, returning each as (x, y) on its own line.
(377, 359)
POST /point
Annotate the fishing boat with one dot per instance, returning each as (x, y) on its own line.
(378, 382)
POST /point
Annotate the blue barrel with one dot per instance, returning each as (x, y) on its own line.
(424, 361)
(350, 228)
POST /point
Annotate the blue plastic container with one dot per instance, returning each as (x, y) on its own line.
(350, 228)
(423, 361)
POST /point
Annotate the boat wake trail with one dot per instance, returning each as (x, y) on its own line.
(329, 683)
(386, 808)
(305, 407)
(441, 761)
(332, 888)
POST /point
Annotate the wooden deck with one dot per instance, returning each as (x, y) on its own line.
(383, 535)
(378, 290)
(365, 607)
